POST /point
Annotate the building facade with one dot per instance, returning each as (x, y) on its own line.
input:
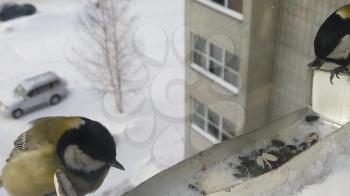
(246, 64)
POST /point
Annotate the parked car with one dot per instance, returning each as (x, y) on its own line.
(10, 11)
(35, 92)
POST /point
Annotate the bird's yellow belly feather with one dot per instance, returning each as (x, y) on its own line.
(31, 173)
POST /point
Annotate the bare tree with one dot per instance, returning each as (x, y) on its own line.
(106, 57)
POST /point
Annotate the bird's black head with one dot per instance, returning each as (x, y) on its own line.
(88, 147)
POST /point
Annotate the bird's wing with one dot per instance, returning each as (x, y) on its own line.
(330, 34)
(21, 144)
(44, 131)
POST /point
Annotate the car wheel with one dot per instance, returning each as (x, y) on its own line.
(17, 113)
(55, 99)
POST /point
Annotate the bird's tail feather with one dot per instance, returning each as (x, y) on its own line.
(317, 63)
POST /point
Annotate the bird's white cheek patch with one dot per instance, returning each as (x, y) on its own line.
(78, 160)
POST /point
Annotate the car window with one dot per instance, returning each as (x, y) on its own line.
(20, 91)
(43, 88)
(33, 93)
(54, 83)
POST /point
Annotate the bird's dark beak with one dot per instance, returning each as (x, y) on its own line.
(117, 165)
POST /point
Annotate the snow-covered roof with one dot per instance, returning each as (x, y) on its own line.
(39, 80)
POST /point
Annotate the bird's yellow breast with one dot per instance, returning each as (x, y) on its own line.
(344, 12)
(31, 173)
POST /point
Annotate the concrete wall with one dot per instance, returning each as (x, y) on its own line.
(228, 34)
(197, 142)
(263, 19)
(256, 64)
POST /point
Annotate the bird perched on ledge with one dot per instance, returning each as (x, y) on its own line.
(81, 151)
(332, 42)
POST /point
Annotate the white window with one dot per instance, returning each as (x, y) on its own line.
(216, 61)
(235, 5)
(199, 51)
(210, 123)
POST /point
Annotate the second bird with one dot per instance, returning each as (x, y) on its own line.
(332, 42)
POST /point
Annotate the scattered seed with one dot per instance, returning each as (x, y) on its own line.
(311, 118)
(277, 143)
(193, 187)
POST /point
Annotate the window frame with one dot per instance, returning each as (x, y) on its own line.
(224, 9)
(207, 122)
(227, 6)
(208, 59)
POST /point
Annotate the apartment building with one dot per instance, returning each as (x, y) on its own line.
(246, 64)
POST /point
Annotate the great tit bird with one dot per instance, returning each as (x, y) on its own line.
(83, 149)
(332, 42)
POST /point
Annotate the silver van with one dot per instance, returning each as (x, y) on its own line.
(36, 92)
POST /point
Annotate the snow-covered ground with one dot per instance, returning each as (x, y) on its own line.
(335, 184)
(150, 136)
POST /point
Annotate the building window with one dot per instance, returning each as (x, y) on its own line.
(215, 52)
(211, 123)
(216, 61)
(221, 2)
(200, 43)
(199, 51)
(236, 5)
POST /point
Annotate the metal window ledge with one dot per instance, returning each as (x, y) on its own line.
(166, 182)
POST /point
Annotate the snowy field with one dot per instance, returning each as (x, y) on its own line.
(150, 135)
